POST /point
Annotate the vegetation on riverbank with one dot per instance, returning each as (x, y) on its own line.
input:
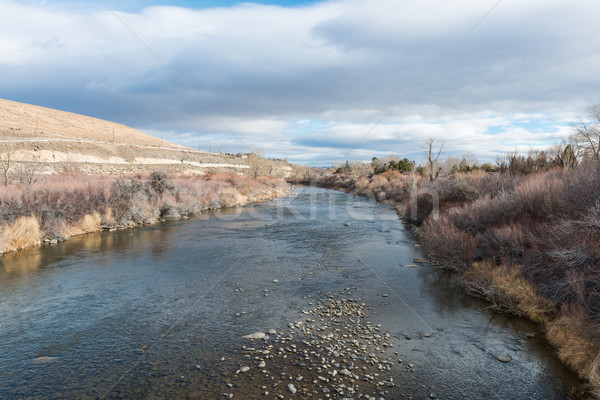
(527, 242)
(58, 207)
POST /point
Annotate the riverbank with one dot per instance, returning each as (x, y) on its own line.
(59, 207)
(526, 243)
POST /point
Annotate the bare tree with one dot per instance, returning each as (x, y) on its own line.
(433, 157)
(564, 155)
(587, 134)
(29, 173)
(6, 154)
(257, 164)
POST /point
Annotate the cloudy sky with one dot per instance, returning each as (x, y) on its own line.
(314, 81)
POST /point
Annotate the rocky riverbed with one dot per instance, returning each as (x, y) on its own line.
(333, 351)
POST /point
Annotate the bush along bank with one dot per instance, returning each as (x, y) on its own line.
(61, 206)
(529, 244)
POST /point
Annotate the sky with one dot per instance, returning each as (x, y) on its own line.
(316, 82)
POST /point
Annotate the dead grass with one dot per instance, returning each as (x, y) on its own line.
(506, 288)
(575, 349)
(594, 375)
(108, 218)
(88, 223)
(23, 232)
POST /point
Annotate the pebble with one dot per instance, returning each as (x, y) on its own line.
(44, 360)
(256, 335)
(335, 350)
(504, 359)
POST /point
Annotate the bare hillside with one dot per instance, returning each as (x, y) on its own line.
(29, 121)
(53, 140)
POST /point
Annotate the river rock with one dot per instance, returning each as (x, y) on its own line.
(44, 360)
(255, 335)
(244, 369)
(419, 260)
(291, 388)
(504, 359)
(272, 332)
(410, 266)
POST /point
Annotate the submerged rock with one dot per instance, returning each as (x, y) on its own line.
(44, 360)
(504, 359)
(255, 335)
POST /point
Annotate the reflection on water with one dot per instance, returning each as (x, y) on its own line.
(149, 313)
(19, 263)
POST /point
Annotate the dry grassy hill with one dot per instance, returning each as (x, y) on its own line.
(29, 121)
(54, 140)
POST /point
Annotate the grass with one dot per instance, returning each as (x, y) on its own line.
(23, 232)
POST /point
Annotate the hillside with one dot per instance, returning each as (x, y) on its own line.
(55, 141)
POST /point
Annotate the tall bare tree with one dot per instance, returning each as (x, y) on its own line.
(586, 134)
(6, 154)
(433, 156)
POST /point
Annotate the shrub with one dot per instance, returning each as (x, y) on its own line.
(159, 182)
(451, 247)
(75, 204)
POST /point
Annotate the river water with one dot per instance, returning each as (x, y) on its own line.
(151, 312)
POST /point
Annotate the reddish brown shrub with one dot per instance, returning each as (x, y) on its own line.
(447, 244)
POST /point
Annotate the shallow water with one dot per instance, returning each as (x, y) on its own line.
(149, 313)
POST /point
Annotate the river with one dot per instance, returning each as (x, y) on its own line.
(159, 311)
